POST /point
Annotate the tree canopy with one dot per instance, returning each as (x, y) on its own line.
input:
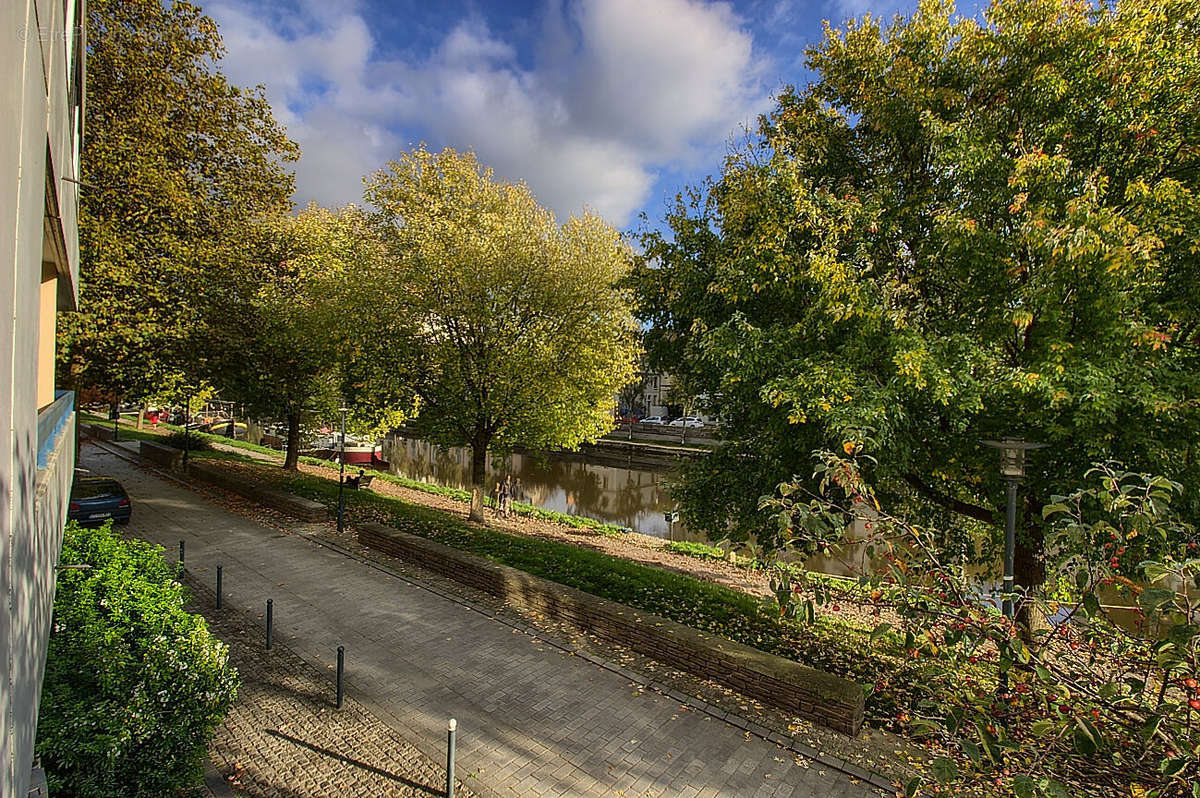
(509, 329)
(175, 162)
(961, 229)
(275, 337)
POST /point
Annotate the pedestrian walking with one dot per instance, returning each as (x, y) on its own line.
(504, 498)
(496, 498)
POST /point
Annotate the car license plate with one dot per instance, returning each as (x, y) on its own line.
(98, 515)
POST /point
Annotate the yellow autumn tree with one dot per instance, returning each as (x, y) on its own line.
(508, 328)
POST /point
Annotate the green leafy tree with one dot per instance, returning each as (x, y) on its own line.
(962, 229)
(175, 161)
(276, 337)
(509, 328)
(1105, 703)
(135, 685)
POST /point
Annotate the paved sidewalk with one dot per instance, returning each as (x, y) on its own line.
(284, 736)
(533, 721)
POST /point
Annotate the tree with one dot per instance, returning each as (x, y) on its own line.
(510, 329)
(962, 229)
(276, 331)
(128, 664)
(175, 162)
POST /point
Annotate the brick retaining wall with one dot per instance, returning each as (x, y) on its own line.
(821, 697)
(161, 455)
(294, 506)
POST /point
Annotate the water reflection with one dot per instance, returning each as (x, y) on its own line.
(628, 496)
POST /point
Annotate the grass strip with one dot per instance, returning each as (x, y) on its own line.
(833, 644)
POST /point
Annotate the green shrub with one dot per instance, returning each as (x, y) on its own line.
(135, 685)
(195, 442)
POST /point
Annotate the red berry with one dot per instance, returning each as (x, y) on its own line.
(1194, 704)
(1065, 709)
(1190, 683)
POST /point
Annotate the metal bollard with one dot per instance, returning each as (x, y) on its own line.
(270, 612)
(452, 729)
(341, 667)
(182, 567)
(218, 587)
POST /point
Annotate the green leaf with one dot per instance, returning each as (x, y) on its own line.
(987, 742)
(1150, 727)
(1051, 509)
(1154, 597)
(1024, 787)
(879, 631)
(1053, 789)
(972, 751)
(913, 786)
(944, 769)
(1085, 738)
(1041, 728)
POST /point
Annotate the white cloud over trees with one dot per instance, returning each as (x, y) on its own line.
(611, 93)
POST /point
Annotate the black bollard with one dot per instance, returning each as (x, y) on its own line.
(452, 728)
(182, 567)
(270, 609)
(341, 667)
(218, 587)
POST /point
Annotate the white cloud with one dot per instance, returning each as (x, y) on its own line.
(618, 90)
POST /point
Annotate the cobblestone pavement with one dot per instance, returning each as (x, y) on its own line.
(533, 720)
(285, 737)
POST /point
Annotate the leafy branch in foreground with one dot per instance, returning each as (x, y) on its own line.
(1102, 697)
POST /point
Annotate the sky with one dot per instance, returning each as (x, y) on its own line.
(609, 105)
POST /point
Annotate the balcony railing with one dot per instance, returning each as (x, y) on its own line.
(51, 422)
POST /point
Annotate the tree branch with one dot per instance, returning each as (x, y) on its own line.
(949, 502)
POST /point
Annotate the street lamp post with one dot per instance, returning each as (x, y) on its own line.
(342, 475)
(1012, 471)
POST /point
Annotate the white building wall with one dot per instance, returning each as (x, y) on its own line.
(38, 210)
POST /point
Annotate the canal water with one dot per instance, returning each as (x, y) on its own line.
(626, 495)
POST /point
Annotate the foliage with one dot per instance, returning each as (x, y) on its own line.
(275, 337)
(508, 328)
(701, 551)
(135, 685)
(193, 441)
(174, 162)
(1088, 707)
(963, 228)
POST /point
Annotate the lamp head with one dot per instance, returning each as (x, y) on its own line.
(1012, 455)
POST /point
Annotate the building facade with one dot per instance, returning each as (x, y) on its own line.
(41, 102)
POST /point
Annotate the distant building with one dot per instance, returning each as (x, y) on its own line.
(41, 102)
(660, 399)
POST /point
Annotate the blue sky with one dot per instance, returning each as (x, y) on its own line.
(614, 105)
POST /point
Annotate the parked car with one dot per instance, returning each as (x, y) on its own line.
(94, 500)
(655, 420)
(629, 418)
(688, 421)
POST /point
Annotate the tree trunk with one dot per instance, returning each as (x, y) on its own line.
(478, 476)
(292, 460)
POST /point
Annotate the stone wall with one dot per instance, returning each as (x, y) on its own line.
(160, 455)
(821, 697)
(294, 506)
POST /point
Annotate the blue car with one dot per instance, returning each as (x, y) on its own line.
(94, 500)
